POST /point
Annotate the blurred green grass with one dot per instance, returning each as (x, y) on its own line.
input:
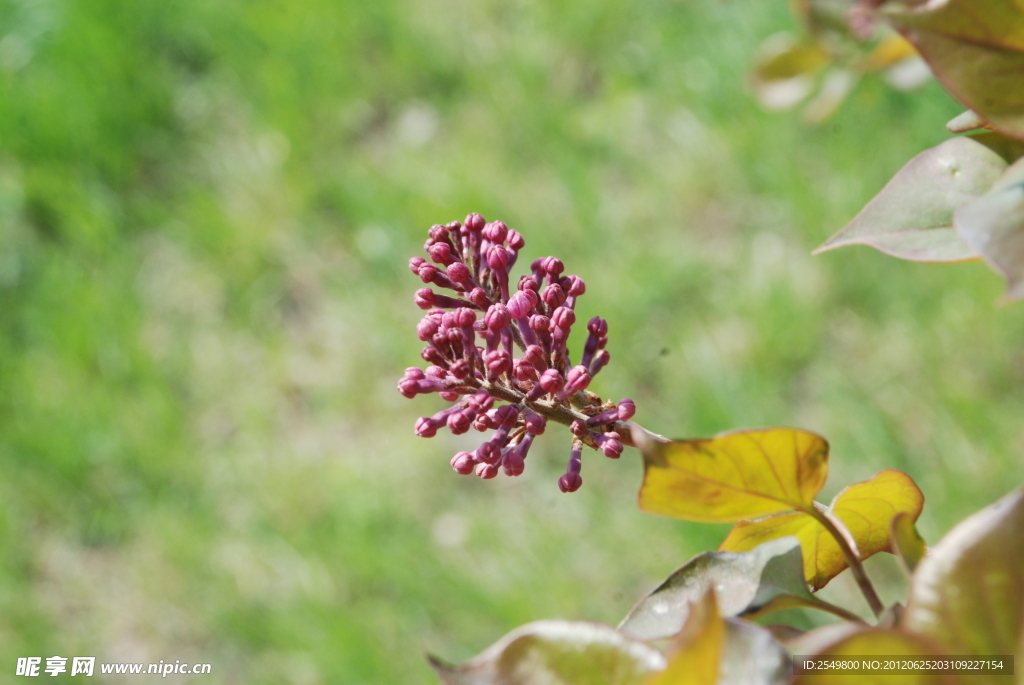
(205, 214)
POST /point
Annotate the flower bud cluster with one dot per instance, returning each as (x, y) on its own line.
(493, 340)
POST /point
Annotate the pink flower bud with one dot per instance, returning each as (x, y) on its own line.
(426, 427)
(528, 283)
(474, 222)
(478, 297)
(507, 415)
(552, 265)
(576, 286)
(426, 329)
(459, 422)
(523, 371)
(563, 317)
(512, 464)
(519, 304)
(497, 317)
(626, 409)
(554, 296)
(486, 471)
(438, 232)
(578, 428)
(463, 463)
(515, 240)
(496, 231)
(460, 369)
(551, 381)
(570, 482)
(415, 263)
(497, 258)
(448, 395)
(458, 272)
(441, 253)
(535, 423)
(424, 298)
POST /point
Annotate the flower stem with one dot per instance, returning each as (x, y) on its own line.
(848, 546)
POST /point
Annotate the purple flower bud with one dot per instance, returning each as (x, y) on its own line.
(563, 317)
(458, 272)
(464, 317)
(535, 355)
(448, 395)
(424, 298)
(551, 381)
(438, 232)
(515, 240)
(453, 226)
(407, 386)
(433, 355)
(578, 428)
(486, 471)
(512, 463)
(552, 265)
(497, 258)
(478, 297)
(480, 401)
(507, 415)
(426, 427)
(554, 296)
(482, 423)
(497, 362)
(414, 372)
(497, 317)
(459, 422)
(488, 453)
(496, 231)
(626, 409)
(609, 443)
(460, 369)
(576, 380)
(415, 263)
(426, 329)
(600, 361)
(523, 371)
(598, 326)
(540, 323)
(441, 253)
(436, 372)
(570, 482)
(463, 463)
(520, 305)
(475, 222)
(576, 286)
(535, 423)
(528, 283)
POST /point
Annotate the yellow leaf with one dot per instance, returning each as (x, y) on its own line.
(867, 509)
(733, 476)
(906, 542)
(698, 648)
(890, 50)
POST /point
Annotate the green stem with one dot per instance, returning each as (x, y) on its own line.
(836, 610)
(849, 549)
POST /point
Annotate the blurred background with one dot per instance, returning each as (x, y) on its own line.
(206, 211)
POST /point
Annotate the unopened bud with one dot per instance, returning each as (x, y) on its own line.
(458, 272)
(463, 463)
(554, 296)
(496, 231)
(474, 222)
(486, 471)
(626, 409)
(497, 258)
(441, 253)
(515, 240)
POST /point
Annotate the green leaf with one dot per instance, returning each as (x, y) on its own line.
(866, 509)
(734, 475)
(967, 595)
(912, 217)
(906, 542)
(994, 226)
(877, 642)
(766, 578)
(976, 49)
(557, 653)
